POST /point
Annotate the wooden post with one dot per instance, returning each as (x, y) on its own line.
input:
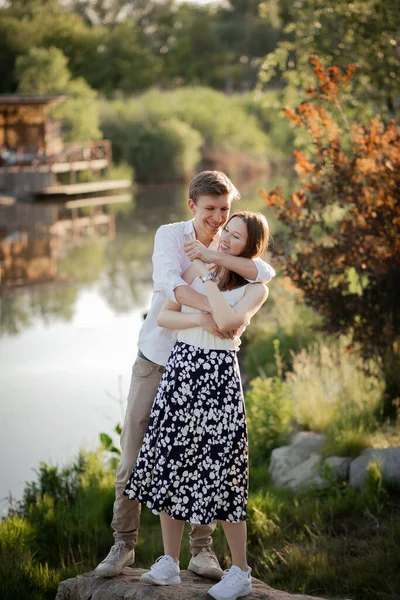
(75, 216)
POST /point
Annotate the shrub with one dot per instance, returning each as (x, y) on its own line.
(166, 150)
(229, 136)
(269, 413)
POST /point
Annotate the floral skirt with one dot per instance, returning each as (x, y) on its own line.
(193, 463)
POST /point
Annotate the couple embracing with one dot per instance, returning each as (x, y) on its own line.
(184, 439)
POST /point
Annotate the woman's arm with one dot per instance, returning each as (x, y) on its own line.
(255, 270)
(171, 317)
(226, 316)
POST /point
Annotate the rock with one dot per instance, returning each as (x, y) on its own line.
(389, 464)
(128, 586)
(338, 467)
(298, 464)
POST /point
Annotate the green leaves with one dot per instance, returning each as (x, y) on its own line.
(108, 444)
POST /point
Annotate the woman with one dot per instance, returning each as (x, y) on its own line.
(193, 463)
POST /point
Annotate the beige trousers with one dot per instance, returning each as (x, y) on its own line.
(126, 515)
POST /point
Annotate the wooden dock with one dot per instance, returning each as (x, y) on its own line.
(86, 188)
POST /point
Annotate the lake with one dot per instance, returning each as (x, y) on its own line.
(69, 339)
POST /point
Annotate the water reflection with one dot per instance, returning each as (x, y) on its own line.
(50, 252)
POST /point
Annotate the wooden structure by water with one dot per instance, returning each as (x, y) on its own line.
(34, 159)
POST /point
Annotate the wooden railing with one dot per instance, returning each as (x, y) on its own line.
(72, 152)
(84, 151)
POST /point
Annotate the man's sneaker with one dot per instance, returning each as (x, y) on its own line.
(234, 584)
(165, 571)
(120, 556)
(206, 564)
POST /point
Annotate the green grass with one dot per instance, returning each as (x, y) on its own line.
(327, 542)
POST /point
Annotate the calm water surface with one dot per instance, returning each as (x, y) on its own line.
(68, 346)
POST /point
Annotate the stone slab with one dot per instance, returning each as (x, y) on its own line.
(128, 586)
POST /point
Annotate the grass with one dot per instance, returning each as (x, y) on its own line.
(330, 541)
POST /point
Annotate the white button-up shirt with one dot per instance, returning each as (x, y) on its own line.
(169, 263)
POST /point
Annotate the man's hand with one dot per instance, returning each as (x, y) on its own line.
(208, 324)
(196, 249)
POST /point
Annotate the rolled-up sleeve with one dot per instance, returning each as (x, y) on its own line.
(168, 247)
(264, 270)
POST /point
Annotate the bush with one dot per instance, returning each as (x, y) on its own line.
(167, 150)
(269, 413)
(227, 135)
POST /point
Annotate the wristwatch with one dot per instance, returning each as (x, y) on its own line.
(208, 277)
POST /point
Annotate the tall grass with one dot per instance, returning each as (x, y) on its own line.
(332, 393)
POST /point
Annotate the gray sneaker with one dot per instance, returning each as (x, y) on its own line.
(120, 556)
(206, 564)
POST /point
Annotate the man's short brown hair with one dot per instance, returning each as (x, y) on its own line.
(212, 183)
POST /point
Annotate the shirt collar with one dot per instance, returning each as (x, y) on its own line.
(189, 229)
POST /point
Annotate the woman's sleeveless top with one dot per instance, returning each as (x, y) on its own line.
(197, 336)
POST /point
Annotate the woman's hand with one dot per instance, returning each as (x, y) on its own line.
(196, 249)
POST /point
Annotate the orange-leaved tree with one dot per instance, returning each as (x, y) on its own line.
(342, 247)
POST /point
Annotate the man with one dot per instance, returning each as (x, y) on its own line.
(210, 197)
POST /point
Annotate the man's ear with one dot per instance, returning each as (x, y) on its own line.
(192, 206)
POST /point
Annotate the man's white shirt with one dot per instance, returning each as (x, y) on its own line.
(169, 264)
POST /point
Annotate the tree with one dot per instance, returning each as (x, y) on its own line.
(42, 71)
(363, 32)
(343, 247)
(45, 71)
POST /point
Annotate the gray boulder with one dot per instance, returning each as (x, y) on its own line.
(298, 465)
(388, 460)
(129, 587)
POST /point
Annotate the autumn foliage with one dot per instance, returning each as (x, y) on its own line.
(342, 247)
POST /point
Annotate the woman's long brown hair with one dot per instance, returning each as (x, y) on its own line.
(256, 245)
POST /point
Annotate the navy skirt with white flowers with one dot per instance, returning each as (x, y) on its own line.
(193, 463)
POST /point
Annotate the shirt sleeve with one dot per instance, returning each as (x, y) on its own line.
(264, 271)
(168, 248)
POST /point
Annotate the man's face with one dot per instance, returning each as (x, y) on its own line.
(210, 214)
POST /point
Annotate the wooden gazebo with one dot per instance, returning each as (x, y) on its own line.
(32, 152)
(26, 128)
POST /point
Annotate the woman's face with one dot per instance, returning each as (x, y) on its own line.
(234, 237)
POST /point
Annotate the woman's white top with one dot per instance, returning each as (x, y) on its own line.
(197, 336)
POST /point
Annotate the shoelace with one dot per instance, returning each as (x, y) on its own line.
(211, 555)
(161, 563)
(116, 550)
(231, 578)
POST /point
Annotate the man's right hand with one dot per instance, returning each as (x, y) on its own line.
(208, 324)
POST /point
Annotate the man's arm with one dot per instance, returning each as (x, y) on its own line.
(254, 270)
(167, 275)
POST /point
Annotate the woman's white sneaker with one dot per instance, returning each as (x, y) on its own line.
(165, 571)
(234, 584)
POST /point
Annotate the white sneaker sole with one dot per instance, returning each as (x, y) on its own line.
(234, 597)
(112, 571)
(209, 572)
(148, 578)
